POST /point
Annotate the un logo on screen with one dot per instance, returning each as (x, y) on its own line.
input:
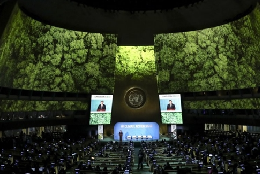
(135, 98)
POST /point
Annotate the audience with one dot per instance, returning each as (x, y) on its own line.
(214, 152)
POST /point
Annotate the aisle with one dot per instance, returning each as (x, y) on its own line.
(145, 169)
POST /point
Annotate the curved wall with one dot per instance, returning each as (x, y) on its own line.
(206, 14)
(219, 58)
(36, 56)
(23, 105)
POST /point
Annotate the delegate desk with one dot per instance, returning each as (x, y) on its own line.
(140, 137)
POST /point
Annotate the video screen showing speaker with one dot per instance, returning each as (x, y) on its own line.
(171, 108)
(100, 111)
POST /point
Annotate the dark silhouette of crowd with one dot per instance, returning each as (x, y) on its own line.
(46, 154)
(211, 152)
(54, 154)
(114, 157)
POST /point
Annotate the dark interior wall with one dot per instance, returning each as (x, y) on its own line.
(5, 12)
(79, 125)
(82, 130)
(135, 76)
(25, 123)
(150, 111)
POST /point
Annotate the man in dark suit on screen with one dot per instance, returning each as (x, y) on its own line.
(170, 106)
(101, 106)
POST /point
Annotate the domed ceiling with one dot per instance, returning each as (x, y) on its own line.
(136, 22)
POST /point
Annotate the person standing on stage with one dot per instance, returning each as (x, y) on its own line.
(120, 135)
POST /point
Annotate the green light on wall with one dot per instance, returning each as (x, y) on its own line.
(25, 105)
(41, 57)
(248, 103)
(219, 58)
(135, 61)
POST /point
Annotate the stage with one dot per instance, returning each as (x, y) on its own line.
(111, 138)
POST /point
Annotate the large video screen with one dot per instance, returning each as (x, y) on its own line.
(100, 111)
(171, 108)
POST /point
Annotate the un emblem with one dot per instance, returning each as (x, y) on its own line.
(135, 98)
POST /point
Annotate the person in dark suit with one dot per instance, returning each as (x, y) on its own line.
(140, 159)
(170, 106)
(101, 106)
(120, 135)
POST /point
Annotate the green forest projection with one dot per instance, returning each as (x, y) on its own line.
(35, 56)
(99, 118)
(220, 58)
(135, 62)
(21, 105)
(41, 57)
(250, 103)
(172, 118)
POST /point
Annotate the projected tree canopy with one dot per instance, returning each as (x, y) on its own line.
(250, 103)
(36, 56)
(42, 57)
(219, 58)
(21, 105)
(135, 62)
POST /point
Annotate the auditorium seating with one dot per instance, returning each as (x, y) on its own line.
(197, 153)
(200, 154)
(113, 156)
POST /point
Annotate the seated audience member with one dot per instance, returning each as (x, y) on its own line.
(89, 167)
(169, 154)
(177, 168)
(62, 171)
(80, 166)
(213, 170)
(164, 151)
(168, 166)
(105, 171)
(115, 171)
(97, 168)
(220, 167)
(120, 168)
(127, 167)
